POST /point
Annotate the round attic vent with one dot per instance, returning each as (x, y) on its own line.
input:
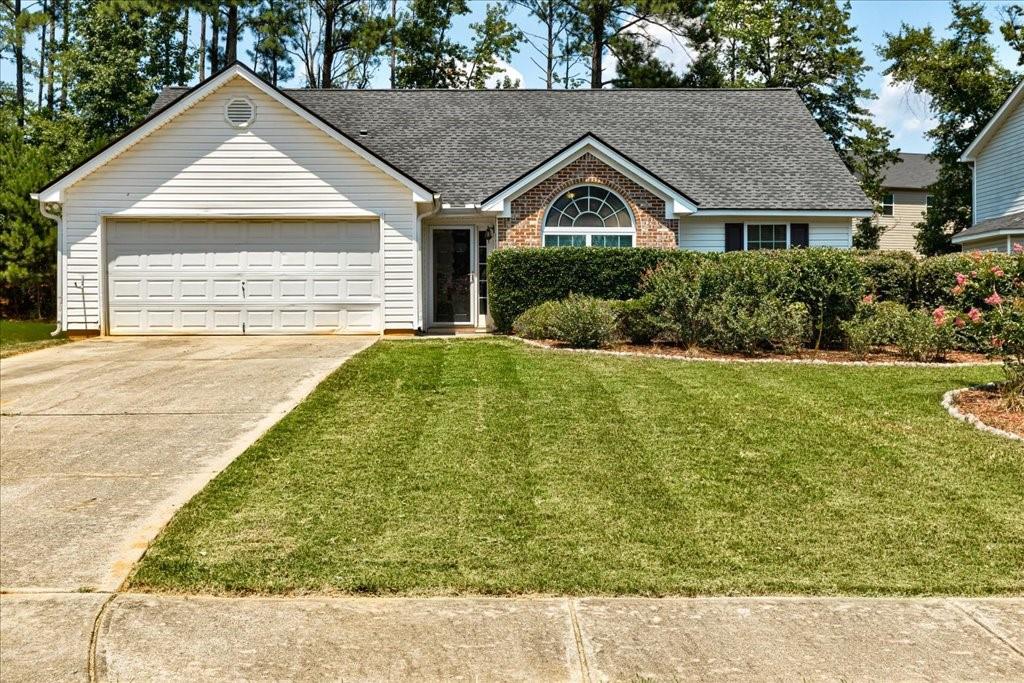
(240, 112)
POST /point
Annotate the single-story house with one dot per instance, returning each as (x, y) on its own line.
(239, 208)
(905, 200)
(997, 159)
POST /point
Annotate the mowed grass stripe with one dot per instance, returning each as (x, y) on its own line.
(484, 466)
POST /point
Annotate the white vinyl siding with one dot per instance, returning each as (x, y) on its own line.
(198, 165)
(708, 235)
(999, 170)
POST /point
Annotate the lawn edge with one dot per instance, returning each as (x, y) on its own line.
(949, 403)
(790, 361)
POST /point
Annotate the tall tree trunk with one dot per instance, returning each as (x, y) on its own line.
(231, 48)
(394, 32)
(598, 17)
(202, 46)
(215, 42)
(49, 55)
(550, 71)
(42, 61)
(183, 57)
(65, 17)
(327, 68)
(19, 69)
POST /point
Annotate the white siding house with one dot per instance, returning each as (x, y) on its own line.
(238, 208)
(997, 156)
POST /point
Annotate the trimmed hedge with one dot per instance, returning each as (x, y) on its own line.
(518, 279)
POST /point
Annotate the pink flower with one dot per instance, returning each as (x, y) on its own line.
(994, 299)
(997, 342)
(976, 256)
(974, 314)
(997, 271)
(868, 299)
(959, 322)
(1018, 248)
(961, 278)
(958, 290)
(939, 316)
(974, 273)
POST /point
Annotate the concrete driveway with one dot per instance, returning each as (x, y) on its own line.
(102, 440)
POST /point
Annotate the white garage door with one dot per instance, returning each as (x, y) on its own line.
(243, 277)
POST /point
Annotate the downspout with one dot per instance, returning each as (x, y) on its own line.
(56, 218)
(434, 210)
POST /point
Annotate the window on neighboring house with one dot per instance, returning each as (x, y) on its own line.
(888, 201)
(929, 201)
(589, 216)
(767, 236)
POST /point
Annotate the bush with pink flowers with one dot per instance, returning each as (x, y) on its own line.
(997, 323)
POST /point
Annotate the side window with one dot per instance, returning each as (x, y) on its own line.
(887, 204)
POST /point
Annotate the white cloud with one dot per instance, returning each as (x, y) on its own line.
(670, 48)
(904, 112)
(506, 70)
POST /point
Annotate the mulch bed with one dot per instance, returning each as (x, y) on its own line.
(987, 406)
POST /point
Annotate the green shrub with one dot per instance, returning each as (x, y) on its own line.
(537, 322)
(636, 320)
(830, 283)
(889, 275)
(740, 324)
(521, 278)
(920, 338)
(579, 321)
(937, 277)
(678, 292)
(874, 325)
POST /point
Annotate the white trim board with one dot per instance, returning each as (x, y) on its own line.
(675, 202)
(53, 192)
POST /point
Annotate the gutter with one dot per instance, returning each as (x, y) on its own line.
(56, 219)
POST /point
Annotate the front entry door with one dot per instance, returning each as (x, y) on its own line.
(453, 276)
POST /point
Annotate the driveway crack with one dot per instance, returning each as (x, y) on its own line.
(578, 635)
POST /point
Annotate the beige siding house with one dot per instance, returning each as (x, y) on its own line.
(240, 208)
(997, 157)
(906, 200)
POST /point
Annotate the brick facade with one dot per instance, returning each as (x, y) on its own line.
(523, 229)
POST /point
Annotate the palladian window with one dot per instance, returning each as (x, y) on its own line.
(589, 216)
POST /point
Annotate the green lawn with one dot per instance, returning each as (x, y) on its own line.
(484, 466)
(19, 336)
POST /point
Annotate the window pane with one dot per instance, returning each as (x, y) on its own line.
(611, 240)
(766, 237)
(588, 206)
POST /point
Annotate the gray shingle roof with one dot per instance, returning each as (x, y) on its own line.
(1011, 221)
(726, 149)
(915, 171)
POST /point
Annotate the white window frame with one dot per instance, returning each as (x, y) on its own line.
(588, 233)
(891, 205)
(746, 234)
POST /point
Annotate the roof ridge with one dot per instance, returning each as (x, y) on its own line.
(544, 90)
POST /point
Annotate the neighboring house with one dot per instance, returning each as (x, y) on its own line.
(997, 158)
(905, 200)
(238, 208)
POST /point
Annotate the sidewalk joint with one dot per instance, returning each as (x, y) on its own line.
(578, 635)
(94, 637)
(985, 626)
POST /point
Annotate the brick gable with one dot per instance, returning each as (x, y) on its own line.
(523, 228)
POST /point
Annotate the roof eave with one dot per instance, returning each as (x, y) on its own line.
(978, 144)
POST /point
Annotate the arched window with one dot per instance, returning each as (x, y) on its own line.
(589, 216)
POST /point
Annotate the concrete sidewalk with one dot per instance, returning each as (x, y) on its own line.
(135, 636)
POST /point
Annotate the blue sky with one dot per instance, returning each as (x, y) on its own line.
(903, 112)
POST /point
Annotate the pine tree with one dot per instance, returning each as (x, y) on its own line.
(965, 85)
(274, 23)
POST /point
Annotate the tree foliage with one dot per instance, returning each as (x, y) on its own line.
(965, 85)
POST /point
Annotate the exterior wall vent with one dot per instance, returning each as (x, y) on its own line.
(240, 112)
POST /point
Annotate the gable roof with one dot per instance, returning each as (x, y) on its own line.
(186, 97)
(914, 171)
(676, 201)
(1012, 101)
(722, 149)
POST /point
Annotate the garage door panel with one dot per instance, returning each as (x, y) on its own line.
(238, 277)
